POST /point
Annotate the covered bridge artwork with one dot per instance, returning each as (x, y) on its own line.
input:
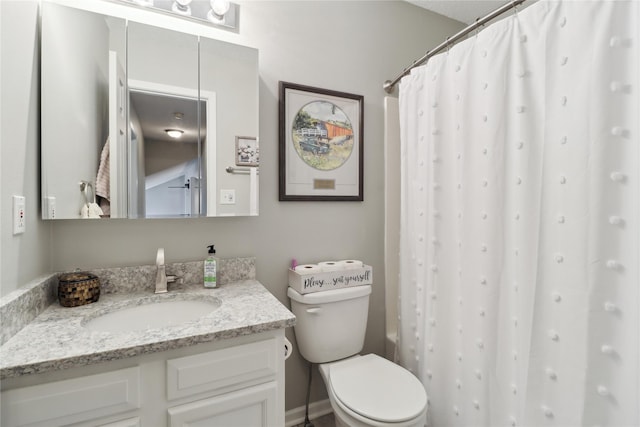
(334, 130)
(327, 130)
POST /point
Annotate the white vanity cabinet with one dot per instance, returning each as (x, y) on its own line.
(233, 382)
(256, 404)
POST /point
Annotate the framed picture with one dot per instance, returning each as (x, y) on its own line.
(321, 144)
(247, 152)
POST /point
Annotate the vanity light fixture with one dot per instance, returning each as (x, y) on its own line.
(174, 133)
(218, 13)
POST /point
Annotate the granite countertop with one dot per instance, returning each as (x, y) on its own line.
(57, 338)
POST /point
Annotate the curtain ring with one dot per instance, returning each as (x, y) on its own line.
(515, 7)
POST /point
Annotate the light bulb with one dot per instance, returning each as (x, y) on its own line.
(219, 7)
(218, 10)
(181, 7)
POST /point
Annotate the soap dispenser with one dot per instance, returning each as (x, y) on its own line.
(211, 269)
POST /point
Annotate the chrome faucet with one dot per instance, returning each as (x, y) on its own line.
(161, 274)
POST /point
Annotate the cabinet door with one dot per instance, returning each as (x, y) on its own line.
(253, 406)
(74, 400)
(231, 367)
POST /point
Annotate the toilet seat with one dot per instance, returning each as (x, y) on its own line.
(377, 389)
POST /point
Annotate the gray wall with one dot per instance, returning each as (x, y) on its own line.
(25, 256)
(359, 44)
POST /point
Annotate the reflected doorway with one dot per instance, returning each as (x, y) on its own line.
(170, 164)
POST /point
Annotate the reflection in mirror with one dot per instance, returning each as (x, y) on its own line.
(221, 63)
(78, 48)
(164, 157)
(112, 88)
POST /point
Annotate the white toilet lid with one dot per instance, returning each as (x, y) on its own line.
(378, 389)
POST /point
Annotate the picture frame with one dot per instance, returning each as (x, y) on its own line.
(321, 144)
(247, 151)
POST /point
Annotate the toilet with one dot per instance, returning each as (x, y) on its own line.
(364, 390)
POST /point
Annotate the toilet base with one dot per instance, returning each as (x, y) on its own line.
(342, 419)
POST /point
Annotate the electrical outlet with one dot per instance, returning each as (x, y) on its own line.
(227, 197)
(18, 215)
(50, 207)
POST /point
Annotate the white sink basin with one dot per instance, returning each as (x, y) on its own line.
(152, 314)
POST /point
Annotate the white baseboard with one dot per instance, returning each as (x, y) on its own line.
(316, 409)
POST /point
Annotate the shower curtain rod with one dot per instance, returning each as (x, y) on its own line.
(389, 85)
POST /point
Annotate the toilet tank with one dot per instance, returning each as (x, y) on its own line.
(330, 325)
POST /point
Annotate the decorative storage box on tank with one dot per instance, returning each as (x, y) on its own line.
(329, 275)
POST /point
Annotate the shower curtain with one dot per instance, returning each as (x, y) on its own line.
(520, 208)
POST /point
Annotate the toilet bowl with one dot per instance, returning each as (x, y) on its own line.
(374, 392)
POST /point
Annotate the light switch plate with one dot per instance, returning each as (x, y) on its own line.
(227, 197)
(18, 215)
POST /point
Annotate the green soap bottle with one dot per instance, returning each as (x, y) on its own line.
(211, 269)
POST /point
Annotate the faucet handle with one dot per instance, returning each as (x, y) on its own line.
(160, 257)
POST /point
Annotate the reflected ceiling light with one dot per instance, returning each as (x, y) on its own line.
(181, 7)
(218, 13)
(174, 133)
(219, 9)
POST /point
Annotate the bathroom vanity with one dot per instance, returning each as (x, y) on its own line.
(224, 367)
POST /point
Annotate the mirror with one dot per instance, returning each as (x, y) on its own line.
(163, 96)
(143, 122)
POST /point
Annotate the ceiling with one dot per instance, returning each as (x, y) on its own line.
(461, 10)
(157, 112)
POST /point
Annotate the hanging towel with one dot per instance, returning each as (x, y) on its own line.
(90, 210)
(103, 181)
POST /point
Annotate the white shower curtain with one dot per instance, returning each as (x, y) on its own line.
(520, 210)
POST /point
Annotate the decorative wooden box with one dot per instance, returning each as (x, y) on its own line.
(78, 288)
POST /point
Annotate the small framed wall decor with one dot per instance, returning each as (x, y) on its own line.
(321, 144)
(247, 151)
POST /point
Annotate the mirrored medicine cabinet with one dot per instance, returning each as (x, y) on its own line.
(139, 121)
